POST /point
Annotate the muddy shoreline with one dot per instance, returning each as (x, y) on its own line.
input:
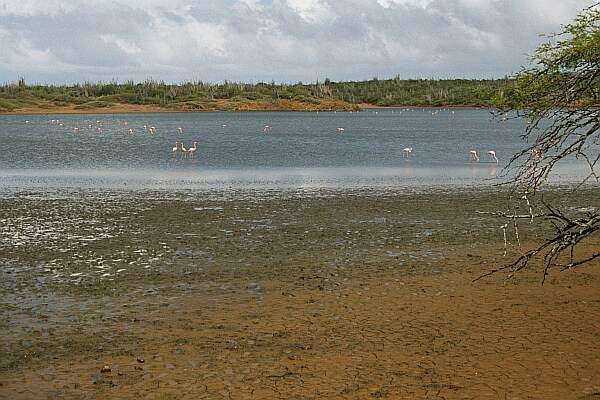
(284, 295)
(139, 109)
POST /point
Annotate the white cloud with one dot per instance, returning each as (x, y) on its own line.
(289, 40)
(406, 3)
(312, 11)
(122, 44)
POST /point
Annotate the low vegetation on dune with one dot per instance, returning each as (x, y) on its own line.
(232, 96)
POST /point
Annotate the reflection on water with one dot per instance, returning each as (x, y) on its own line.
(280, 178)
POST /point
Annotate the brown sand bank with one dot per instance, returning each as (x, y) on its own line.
(335, 296)
(225, 105)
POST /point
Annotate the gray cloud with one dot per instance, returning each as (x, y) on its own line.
(282, 40)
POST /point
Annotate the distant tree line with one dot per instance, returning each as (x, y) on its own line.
(197, 94)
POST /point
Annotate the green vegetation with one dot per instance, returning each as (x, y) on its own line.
(261, 96)
(420, 92)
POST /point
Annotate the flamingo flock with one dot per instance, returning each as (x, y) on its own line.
(179, 150)
(474, 157)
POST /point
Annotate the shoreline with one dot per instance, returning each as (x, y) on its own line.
(141, 109)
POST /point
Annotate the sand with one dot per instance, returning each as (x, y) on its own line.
(217, 105)
(301, 295)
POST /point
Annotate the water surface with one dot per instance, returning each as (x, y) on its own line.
(299, 150)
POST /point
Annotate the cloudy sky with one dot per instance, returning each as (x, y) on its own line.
(58, 41)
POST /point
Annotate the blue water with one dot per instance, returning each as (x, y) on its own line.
(300, 150)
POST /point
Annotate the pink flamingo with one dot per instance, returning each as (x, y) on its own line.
(492, 154)
(180, 130)
(407, 151)
(267, 128)
(175, 148)
(184, 151)
(473, 155)
(193, 149)
(130, 131)
(340, 130)
(75, 130)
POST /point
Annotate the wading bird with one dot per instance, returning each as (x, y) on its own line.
(193, 149)
(184, 151)
(492, 154)
(473, 155)
(267, 128)
(180, 130)
(407, 151)
(340, 130)
(176, 148)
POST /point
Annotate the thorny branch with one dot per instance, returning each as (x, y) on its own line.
(560, 99)
(569, 232)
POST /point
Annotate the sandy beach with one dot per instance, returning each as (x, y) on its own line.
(158, 295)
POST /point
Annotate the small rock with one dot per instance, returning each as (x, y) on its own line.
(105, 369)
(140, 360)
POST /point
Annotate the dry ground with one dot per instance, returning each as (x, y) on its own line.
(340, 296)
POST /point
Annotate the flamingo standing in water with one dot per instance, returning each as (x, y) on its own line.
(473, 155)
(184, 151)
(492, 154)
(130, 131)
(407, 151)
(340, 130)
(193, 149)
(176, 148)
(180, 130)
(267, 128)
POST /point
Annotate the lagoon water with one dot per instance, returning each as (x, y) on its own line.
(300, 150)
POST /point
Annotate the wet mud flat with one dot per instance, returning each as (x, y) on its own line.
(305, 294)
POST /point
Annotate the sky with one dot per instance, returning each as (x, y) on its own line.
(67, 41)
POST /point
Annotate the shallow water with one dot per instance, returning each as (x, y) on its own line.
(300, 150)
